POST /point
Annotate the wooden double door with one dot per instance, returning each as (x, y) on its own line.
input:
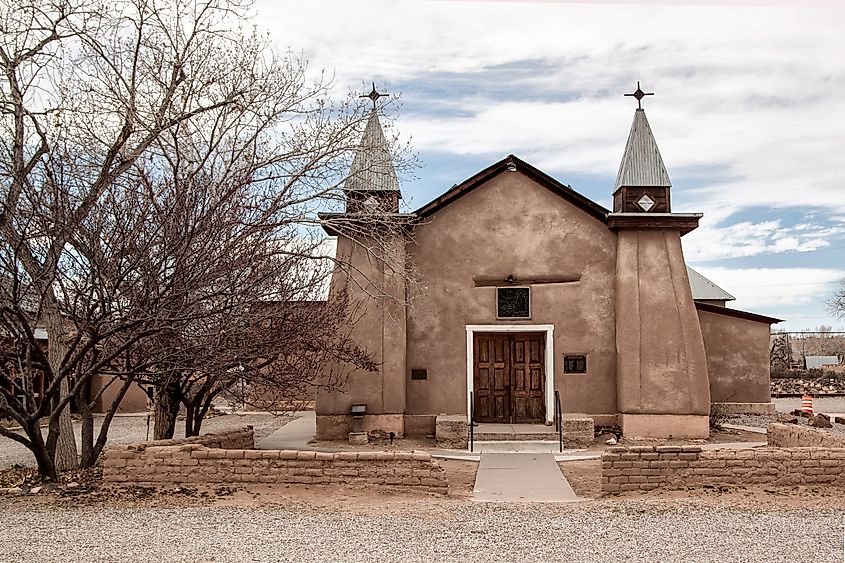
(509, 378)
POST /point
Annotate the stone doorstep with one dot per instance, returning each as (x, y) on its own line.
(514, 437)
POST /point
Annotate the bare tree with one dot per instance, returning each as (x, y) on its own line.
(781, 355)
(128, 129)
(270, 356)
(87, 87)
(836, 304)
(240, 280)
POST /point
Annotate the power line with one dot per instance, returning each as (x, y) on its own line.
(786, 284)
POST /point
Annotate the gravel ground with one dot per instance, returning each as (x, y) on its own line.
(129, 429)
(828, 405)
(762, 421)
(595, 531)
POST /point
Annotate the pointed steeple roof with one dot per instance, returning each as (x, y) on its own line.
(372, 168)
(642, 165)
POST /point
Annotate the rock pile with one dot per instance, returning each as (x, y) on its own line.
(796, 385)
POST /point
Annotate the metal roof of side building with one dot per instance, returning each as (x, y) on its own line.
(702, 288)
(813, 362)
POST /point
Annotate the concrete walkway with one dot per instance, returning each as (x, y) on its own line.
(743, 427)
(733, 446)
(294, 435)
(521, 478)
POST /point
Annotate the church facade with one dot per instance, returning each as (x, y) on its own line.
(525, 289)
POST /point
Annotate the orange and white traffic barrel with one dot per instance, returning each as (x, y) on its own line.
(807, 404)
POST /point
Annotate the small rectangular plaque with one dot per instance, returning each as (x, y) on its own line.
(417, 374)
(575, 364)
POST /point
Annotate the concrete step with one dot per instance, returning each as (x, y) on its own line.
(515, 436)
(517, 446)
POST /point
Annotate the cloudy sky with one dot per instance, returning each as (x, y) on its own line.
(749, 113)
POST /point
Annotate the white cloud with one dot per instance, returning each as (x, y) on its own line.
(774, 288)
(748, 109)
(398, 41)
(751, 95)
(714, 240)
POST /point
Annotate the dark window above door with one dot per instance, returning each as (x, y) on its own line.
(513, 302)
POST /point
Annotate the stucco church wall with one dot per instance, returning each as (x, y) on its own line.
(380, 333)
(512, 226)
(737, 358)
(135, 399)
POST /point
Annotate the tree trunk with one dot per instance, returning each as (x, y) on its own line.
(92, 451)
(190, 409)
(196, 407)
(66, 454)
(87, 435)
(46, 466)
(167, 400)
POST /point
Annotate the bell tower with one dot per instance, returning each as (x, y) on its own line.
(372, 186)
(370, 273)
(642, 184)
(662, 386)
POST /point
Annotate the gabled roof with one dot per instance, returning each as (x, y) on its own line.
(372, 168)
(642, 164)
(736, 313)
(812, 362)
(513, 164)
(702, 288)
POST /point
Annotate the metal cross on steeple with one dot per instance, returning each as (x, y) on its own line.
(639, 95)
(373, 95)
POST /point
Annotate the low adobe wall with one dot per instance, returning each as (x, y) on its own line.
(794, 436)
(643, 468)
(232, 439)
(228, 457)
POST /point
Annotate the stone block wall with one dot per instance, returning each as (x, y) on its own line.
(233, 438)
(452, 431)
(794, 436)
(195, 463)
(578, 431)
(643, 468)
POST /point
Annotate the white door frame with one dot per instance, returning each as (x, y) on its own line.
(550, 359)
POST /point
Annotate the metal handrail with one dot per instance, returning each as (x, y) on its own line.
(471, 422)
(559, 420)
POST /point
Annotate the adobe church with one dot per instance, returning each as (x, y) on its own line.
(527, 288)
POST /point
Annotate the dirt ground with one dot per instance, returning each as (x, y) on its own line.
(461, 475)
(584, 476)
(91, 490)
(717, 436)
(381, 445)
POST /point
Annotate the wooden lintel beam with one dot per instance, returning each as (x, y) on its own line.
(488, 282)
